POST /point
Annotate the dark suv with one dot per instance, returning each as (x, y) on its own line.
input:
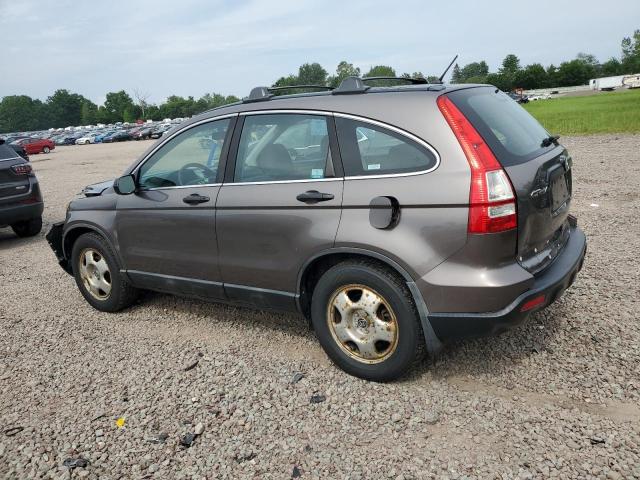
(21, 203)
(393, 218)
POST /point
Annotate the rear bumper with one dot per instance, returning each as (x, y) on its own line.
(19, 213)
(551, 284)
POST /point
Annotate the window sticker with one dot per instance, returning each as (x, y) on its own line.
(318, 127)
(317, 173)
(373, 166)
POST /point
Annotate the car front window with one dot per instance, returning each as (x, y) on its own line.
(190, 158)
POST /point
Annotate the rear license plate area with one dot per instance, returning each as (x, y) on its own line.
(559, 190)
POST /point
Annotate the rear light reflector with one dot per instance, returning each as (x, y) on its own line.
(22, 169)
(533, 303)
(492, 204)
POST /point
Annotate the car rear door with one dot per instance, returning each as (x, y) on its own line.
(166, 230)
(280, 204)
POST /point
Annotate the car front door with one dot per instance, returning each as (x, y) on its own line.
(166, 230)
(280, 204)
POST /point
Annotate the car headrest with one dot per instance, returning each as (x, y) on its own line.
(275, 158)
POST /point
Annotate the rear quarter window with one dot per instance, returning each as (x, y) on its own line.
(511, 132)
(369, 149)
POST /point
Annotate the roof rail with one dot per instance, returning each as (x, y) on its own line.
(351, 85)
(259, 94)
(412, 81)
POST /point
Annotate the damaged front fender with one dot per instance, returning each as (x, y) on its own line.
(54, 237)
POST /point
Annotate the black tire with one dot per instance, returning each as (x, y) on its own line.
(46, 150)
(28, 228)
(410, 346)
(122, 294)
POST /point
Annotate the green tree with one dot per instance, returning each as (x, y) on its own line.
(312, 74)
(343, 70)
(510, 65)
(456, 74)
(65, 108)
(503, 82)
(475, 72)
(88, 113)
(552, 76)
(22, 113)
(631, 53)
(532, 76)
(381, 71)
(575, 72)
(611, 67)
(116, 103)
(176, 106)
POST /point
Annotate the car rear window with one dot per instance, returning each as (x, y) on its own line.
(511, 132)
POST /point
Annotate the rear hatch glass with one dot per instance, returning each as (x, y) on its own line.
(540, 171)
(12, 186)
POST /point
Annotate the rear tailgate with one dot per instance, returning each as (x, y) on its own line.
(539, 172)
(12, 185)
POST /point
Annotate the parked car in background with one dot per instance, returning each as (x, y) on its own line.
(160, 131)
(36, 145)
(86, 139)
(21, 204)
(100, 137)
(142, 134)
(119, 136)
(519, 97)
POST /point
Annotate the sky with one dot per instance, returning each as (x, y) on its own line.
(192, 47)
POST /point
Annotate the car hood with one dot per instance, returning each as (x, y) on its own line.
(96, 189)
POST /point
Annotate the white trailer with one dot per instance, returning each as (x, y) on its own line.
(606, 83)
(632, 81)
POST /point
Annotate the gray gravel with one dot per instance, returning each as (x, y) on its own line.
(556, 397)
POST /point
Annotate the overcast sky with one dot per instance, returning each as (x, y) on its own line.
(190, 47)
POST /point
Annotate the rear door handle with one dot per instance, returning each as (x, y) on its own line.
(314, 196)
(195, 199)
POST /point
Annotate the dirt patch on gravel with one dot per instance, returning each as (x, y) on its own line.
(557, 396)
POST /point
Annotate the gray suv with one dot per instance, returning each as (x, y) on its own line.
(395, 219)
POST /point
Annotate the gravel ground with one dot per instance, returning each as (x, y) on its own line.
(556, 397)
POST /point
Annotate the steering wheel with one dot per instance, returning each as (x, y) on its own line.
(195, 174)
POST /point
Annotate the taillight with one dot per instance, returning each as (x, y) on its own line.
(492, 204)
(22, 169)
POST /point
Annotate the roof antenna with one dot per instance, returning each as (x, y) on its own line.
(447, 69)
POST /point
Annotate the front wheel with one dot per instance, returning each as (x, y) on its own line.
(46, 150)
(365, 320)
(28, 228)
(97, 274)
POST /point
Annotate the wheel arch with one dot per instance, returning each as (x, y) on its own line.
(77, 229)
(315, 266)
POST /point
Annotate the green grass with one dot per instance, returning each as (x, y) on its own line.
(609, 112)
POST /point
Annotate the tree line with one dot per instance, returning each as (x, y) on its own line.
(578, 71)
(64, 108)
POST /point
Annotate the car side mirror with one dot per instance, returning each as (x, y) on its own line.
(125, 185)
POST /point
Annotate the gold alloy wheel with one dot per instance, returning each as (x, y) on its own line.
(362, 323)
(95, 273)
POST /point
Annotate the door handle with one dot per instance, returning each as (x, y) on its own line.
(195, 199)
(314, 196)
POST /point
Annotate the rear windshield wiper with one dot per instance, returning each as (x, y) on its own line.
(549, 140)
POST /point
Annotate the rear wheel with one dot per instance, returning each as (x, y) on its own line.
(365, 320)
(28, 228)
(46, 149)
(98, 276)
